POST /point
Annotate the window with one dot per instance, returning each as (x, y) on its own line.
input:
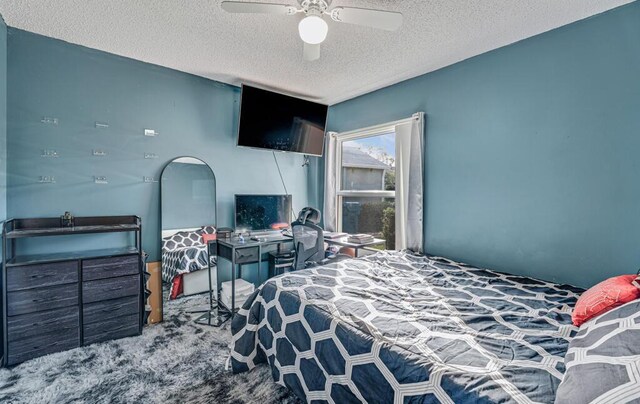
(374, 182)
(366, 184)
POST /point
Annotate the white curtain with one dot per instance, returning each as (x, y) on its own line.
(409, 184)
(330, 178)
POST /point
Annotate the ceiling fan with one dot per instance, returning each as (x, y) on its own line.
(313, 28)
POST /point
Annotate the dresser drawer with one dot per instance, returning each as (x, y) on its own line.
(247, 255)
(113, 288)
(111, 267)
(33, 276)
(42, 344)
(29, 325)
(108, 309)
(114, 328)
(33, 300)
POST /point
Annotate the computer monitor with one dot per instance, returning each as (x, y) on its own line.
(261, 213)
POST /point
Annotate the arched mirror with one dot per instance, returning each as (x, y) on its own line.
(188, 223)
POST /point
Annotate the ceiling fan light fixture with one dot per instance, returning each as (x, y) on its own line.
(313, 29)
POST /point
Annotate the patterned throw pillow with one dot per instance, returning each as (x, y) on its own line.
(209, 229)
(605, 296)
(603, 360)
(181, 239)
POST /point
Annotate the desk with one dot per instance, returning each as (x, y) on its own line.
(343, 242)
(240, 253)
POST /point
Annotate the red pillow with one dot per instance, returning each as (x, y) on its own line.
(605, 296)
(208, 237)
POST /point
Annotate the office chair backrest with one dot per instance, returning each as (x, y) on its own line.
(308, 238)
(309, 214)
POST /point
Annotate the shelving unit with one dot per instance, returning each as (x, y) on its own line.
(57, 301)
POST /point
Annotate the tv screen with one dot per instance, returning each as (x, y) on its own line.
(275, 121)
(263, 212)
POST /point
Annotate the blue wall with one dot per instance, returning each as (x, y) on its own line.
(79, 86)
(532, 151)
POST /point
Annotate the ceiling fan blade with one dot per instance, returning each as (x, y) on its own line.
(387, 20)
(259, 8)
(311, 52)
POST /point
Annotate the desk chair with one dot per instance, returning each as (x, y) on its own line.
(308, 240)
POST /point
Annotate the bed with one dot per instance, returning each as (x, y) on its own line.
(184, 261)
(395, 327)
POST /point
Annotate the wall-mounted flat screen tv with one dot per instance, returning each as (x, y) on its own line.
(263, 212)
(279, 122)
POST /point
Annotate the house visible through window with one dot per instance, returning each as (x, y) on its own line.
(366, 186)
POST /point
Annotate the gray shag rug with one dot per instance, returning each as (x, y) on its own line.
(176, 361)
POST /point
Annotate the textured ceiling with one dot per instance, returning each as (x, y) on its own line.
(198, 37)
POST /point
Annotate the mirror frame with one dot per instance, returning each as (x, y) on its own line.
(215, 205)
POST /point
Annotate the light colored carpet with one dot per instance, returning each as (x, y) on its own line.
(176, 361)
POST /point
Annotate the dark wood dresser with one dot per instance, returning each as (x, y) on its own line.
(54, 302)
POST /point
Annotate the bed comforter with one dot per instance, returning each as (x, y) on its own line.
(400, 328)
(183, 260)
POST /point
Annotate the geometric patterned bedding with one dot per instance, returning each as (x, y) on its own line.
(183, 260)
(395, 327)
(603, 360)
(183, 252)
